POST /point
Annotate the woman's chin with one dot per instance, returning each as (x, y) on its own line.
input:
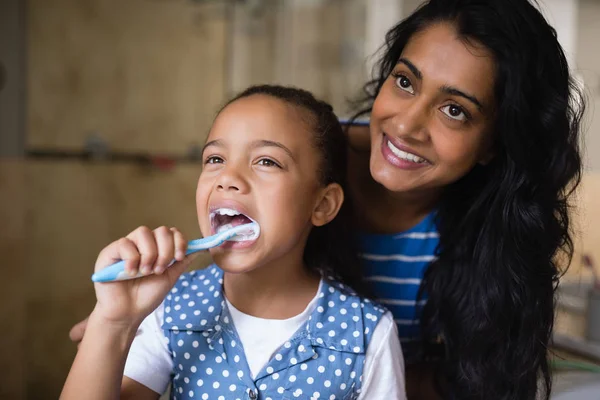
(386, 175)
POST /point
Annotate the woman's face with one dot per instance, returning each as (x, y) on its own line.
(431, 122)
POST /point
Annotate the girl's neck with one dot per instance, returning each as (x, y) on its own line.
(278, 291)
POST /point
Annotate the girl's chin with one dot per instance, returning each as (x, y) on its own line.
(234, 265)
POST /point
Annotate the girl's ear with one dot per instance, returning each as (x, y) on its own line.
(328, 204)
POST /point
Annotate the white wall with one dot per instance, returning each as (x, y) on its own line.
(588, 65)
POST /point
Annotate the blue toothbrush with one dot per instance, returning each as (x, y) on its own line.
(116, 271)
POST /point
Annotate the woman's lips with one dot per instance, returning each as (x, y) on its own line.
(400, 156)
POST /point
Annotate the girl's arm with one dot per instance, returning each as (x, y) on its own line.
(97, 372)
(133, 390)
(383, 375)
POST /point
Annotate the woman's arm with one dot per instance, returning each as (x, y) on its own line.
(420, 382)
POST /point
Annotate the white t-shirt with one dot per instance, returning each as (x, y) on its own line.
(149, 361)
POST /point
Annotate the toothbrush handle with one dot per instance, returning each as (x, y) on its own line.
(116, 271)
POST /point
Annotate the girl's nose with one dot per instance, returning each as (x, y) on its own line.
(231, 180)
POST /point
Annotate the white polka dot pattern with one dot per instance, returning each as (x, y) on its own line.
(323, 360)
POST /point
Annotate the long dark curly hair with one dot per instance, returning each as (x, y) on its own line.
(504, 227)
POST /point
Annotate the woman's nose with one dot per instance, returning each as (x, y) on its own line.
(411, 122)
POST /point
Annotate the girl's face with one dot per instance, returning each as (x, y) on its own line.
(259, 161)
(432, 120)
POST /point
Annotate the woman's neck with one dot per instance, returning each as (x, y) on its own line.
(276, 291)
(386, 212)
(379, 210)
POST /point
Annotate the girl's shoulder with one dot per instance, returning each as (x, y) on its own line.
(343, 320)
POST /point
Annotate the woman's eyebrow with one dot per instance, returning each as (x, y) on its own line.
(271, 143)
(412, 68)
(456, 92)
(445, 89)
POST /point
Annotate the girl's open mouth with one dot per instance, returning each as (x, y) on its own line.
(226, 218)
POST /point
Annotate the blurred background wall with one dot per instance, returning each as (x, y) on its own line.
(104, 103)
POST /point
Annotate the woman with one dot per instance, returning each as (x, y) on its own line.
(474, 124)
(473, 141)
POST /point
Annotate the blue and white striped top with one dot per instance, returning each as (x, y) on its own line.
(394, 265)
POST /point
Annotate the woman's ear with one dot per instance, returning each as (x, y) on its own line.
(328, 204)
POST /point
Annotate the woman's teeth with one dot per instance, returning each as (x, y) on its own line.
(404, 155)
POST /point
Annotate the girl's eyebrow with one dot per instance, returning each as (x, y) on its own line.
(445, 89)
(254, 145)
(271, 143)
(217, 143)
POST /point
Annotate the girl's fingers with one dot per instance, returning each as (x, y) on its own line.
(180, 244)
(166, 248)
(146, 243)
(129, 252)
(175, 271)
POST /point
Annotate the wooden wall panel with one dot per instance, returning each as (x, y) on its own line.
(143, 74)
(74, 210)
(13, 336)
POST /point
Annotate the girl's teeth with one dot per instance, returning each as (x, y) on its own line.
(404, 155)
(227, 211)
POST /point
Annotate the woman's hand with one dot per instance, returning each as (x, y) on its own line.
(78, 330)
(128, 302)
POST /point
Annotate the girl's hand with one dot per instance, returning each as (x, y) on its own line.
(129, 302)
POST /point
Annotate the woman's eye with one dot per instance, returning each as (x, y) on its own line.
(266, 162)
(404, 83)
(213, 160)
(455, 112)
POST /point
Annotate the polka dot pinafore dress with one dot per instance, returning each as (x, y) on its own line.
(323, 360)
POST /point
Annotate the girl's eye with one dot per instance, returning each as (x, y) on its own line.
(455, 112)
(213, 160)
(403, 83)
(267, 162)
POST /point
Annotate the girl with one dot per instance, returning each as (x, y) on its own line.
(273, 319)
(473, 140)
